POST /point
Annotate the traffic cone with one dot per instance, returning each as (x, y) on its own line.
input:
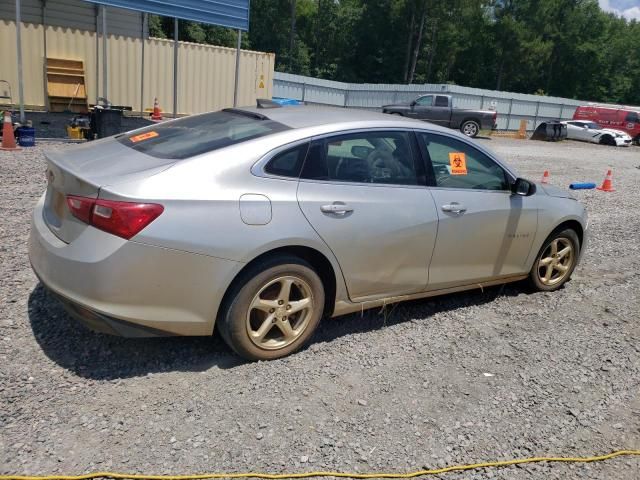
(8, 137)
(545, 177)
(156, 115)
(607, 185)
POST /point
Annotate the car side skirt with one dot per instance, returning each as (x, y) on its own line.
(344, 307)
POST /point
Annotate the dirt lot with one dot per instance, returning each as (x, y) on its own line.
(390, 391)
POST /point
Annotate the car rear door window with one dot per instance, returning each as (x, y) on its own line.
(457, 164)
(373, 157)
(197, 134)
(288, 163)
(442, 101)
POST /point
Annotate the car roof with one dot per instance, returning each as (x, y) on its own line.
(304, 116)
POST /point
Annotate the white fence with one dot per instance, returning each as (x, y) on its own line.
(511, 107)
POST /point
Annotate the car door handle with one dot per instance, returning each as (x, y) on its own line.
(336, 208)
(454, 207)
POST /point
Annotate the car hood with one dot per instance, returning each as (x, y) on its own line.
(553, 191)
(616, 132)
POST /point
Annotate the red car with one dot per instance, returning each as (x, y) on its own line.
(622, 118)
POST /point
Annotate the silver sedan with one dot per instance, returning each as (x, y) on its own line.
(262, 221)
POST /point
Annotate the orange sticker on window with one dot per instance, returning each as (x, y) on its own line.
(144, 136)
(458, 163)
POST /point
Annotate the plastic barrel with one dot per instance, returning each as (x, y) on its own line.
(26, 136)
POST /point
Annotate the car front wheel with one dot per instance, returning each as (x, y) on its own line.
(556, 261)
(273, 309)
(470, 128)
(608, 140)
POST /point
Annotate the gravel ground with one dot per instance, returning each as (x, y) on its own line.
(394, 391)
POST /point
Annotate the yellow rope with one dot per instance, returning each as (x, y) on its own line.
(271, 476)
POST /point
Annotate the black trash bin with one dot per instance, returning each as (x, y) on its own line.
(551, 131)
(105, 122)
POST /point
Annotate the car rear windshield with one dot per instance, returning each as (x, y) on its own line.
(190, 136)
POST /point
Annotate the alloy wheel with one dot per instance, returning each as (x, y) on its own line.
(470, 129)
(556, 261)
(280, 312)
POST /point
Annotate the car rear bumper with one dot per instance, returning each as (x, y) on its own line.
(128, 288)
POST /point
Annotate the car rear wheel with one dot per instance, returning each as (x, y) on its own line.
(273, 309)
(556, 261)
(470, 128)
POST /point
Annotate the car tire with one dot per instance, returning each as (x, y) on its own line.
(608, 140)
(470, 128)
(552, 269)
(257, 321)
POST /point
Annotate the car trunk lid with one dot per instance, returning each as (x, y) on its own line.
(82, 171)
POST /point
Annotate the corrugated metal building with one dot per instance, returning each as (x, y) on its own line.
(71, 29)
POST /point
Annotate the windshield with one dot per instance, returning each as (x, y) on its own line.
(190, 136)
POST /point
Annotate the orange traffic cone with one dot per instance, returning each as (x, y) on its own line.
(156, 115)
(8, 137)
(607, 185)
(545, 177)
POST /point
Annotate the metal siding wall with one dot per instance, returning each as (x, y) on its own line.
(71, 44)
(74, 14)
(124, 22)
(32, 54)
(71, 14)
(511, 107)
(30, 11)
(205, 75)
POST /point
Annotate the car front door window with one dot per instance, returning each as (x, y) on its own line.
(425, 101)
(457, 164)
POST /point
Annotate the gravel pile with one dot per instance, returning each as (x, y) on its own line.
(478, 376)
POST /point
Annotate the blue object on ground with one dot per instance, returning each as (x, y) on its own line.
(286, 101)
(582, 186)
(26, 136)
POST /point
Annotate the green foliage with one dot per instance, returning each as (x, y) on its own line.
(568, 48)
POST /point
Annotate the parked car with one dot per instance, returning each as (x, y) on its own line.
(626, 119)
(261, 222)
(588, 131)
(439, 109)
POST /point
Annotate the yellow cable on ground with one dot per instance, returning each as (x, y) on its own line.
(278, 476)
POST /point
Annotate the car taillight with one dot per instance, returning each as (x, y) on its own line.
(80, 207)
(124, 219)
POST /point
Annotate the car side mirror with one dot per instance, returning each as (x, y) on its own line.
(413, 103)
(523, 187)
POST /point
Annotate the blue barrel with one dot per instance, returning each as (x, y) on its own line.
(582, 186)
(26, 136)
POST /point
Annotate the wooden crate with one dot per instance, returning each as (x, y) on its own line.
(66, 85)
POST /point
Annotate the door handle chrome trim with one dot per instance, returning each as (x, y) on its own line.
(454, 207)
(336, 209)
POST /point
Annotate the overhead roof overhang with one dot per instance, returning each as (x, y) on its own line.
(225, 13)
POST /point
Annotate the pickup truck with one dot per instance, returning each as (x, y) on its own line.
(437, 109)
